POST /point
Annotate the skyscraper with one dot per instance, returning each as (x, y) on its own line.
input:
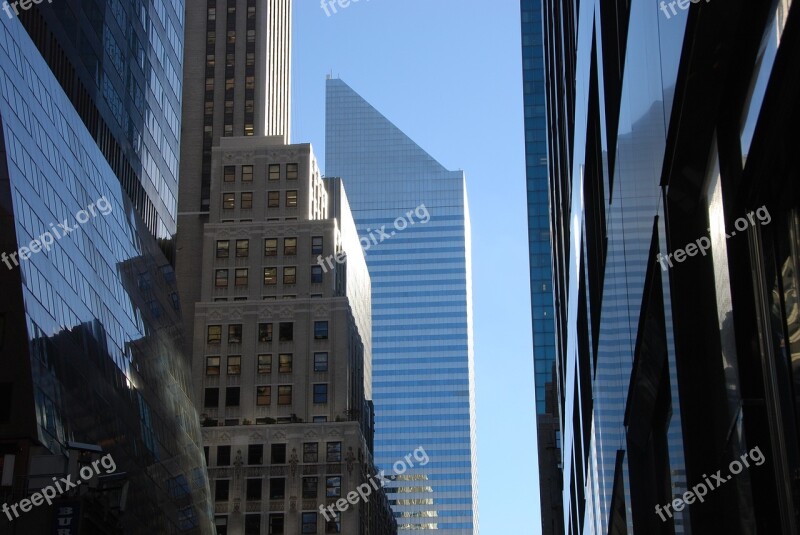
(674, 205)
(237, 82)
(541, 281)
(413, 219)
(91, 337)
(282, 348)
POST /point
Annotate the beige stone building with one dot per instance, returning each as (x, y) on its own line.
(282, 346)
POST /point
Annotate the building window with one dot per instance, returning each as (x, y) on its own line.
(235, 333)
(290, 275)
(242, 248)
(228, 201)
(334, 454)
(211, 398)
(273, 199)
(276, 524)
(310, 452)
(221, 523)
(290, 246)
(265, 332)
(310, 485)
(255, 454)
(264, 364)
(334, 525)
(212, 365)
(321, 362)
(214, 334)
(232, 396)
(263, 396)
(277, 488)
(320, 330)
(285, 395)
(274, 171)
(229, 173)
(285, 363)
(319, 419)
(221, 278)
(321, 393)
(316, 245)
(234, 365)
(252, 523)
(291, 198)
(223, 455)
(254, 489)
(286, 331)
(247, 200)
(270, 247)
(270, 276)
(291, 171)
(316, 274)
(240, 277)
(247, 173)
(278, 453)
(222, 488)
(223, 248)
(333, 486)
(309, 521)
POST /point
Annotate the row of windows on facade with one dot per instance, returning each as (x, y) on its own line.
(263, 396)
(246, 200)
(277, 523)
(223, 249)
(273, 172)
(277, 488)
(265, 332)
(255, 454)
(263, 364)
(241, 276)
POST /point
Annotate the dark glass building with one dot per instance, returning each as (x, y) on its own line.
(120, 64)
(90, 328)
(675, 214)
(541, 281)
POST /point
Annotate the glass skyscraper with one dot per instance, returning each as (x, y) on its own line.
(413, 219)
(90, 330)
(674, 205)
(541, 273)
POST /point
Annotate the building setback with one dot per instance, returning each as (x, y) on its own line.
(281, 347)
(413, 218)
(90, 327)
(675, 214)
(541, 272)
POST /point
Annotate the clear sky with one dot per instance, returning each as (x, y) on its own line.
(448, 74)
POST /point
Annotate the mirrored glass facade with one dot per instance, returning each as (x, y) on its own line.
(120, 64)
(664, 148)
(541, 278)
(91, 335)
(413, 220)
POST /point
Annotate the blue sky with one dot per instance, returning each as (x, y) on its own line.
(448, 74)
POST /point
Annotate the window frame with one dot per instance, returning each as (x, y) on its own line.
(260, 367)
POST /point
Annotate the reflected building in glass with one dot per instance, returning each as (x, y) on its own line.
(90, 327)
(541, 272)
(674, 209)
(413, 220)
